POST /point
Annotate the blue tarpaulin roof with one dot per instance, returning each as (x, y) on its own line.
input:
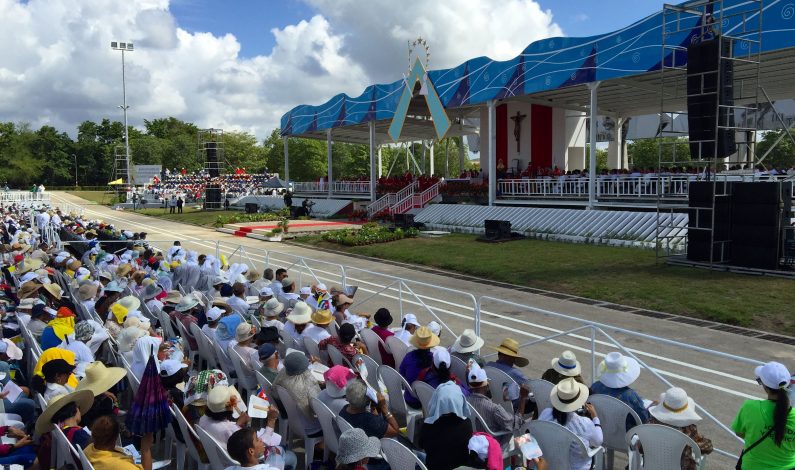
(550, 64)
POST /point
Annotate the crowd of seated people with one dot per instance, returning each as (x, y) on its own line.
(191, 185)
(81, 332)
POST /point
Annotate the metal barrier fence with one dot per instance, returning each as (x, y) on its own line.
(23, 196)
(362, 187)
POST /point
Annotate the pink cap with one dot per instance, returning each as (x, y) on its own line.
(339, 376)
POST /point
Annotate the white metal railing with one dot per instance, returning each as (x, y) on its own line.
(349, 187)
(24, 197)
(383, 202)
(644, 187)
(403, 205)
(421, 199)
(392, 201)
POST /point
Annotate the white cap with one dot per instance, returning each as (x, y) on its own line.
(321, 286)
(214, 313)
(305, 291)
(266, 291)
(477, 375)
(441, 355)
(30, 275)
(435, 327)
(411, 319)
(10, 349)
(773, 375)
(479, 445)
(60, 259)
(170, 367)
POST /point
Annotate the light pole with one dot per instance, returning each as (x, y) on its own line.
(75, 156)
(128, 47)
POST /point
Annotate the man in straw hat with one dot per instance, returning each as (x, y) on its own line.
(615, 375)
(677, 410)
(321, 319)
(271, 309)
(466, 347)
(570, 409)
(419, 361)
(509, 361)
(66, 411)
(244, 335)
(299, 324)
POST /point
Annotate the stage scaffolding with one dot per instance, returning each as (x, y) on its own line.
(739, 30)
(210, 155)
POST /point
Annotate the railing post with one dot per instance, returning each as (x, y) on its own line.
(593, 353)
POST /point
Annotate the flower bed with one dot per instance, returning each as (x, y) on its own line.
(242, 217)
(367, 235)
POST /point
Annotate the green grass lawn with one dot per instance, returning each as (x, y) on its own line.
(189, 215)
(621, 275)
(98, 197)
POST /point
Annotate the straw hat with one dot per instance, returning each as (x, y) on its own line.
(173, 297)
(83, 398)
(244, 332)
(222, 397)
(30, 264)
(568, 395)
(54, 290)
(252, 276)
(123, 270)
(220, 302)
(343, 299)
(87, 291)
(322, 317)
(273, 308)
(467, 342)
(510, 347)
(424, 338)
(29, 290)
(675, 408)
(130, 302)
(74, 265)
(618, 371)
(567, 364)
(301, 314)
(99, 379)
(187, 303)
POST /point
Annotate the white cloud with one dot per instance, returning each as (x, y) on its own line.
(57, 66)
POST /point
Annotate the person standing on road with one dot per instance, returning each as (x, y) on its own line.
(172, 204)
(180, 203)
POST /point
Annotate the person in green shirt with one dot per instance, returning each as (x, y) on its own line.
(776, 448)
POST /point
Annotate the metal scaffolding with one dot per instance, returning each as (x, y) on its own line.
(211, 156)
(738, 30)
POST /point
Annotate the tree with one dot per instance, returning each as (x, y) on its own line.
(645, 153)
(782, 156)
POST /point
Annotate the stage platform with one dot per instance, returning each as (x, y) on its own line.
(260, 230)
(681, 260)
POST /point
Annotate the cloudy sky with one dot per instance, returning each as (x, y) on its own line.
(241, 64)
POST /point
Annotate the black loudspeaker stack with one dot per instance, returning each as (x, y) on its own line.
(404, 221)
(710, 83)
(252, 208)
(497, 229)
(211, 152)
(753, 218)
(212, 196)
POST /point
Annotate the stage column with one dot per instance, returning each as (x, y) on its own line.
(380, 163)
(286, 175)
(372, 161)
(592, 146)
(492, 152)
(330, 181)
(617, 148)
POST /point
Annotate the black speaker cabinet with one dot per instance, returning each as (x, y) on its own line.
(497, 229)
(212, 196)
(211, 152)
(710, 83)
(252, 208)
(404, 221)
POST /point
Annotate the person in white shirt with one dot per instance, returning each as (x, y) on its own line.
(321, 319)
(238, 300)
(271, 311)
(567, 397)
(56, 374)
(298, 324)
(213, 314)
(42, 219)
(276, 285)
(288, 296)
(410, 324)
(305, 294)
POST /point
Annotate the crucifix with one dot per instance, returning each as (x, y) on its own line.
(517, 126)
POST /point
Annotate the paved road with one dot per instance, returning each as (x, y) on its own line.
(717, 381)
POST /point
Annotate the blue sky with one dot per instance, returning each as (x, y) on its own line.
(252, 20)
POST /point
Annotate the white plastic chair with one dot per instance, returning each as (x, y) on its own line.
(398, 348)
(613, 415)
(459, 368)
(311, 348)
(662, 447)
(395, 385)
(331, 433)
(206, 352)
(189, 434)
(246, 379)
(342, 424)
(399, 456)
(193, 354)
(336, 357)
(372, 370)
(541, 389)
(424, 393)
(63, 451)
(216, 452)
(85, 463)
(557, 444)
(297, 421)
(372, 341)
(497, 380)
(503, 437)
(224, 361)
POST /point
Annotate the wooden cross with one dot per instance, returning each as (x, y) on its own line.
(517, 127)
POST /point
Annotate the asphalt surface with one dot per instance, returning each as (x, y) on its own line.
(719, 377)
